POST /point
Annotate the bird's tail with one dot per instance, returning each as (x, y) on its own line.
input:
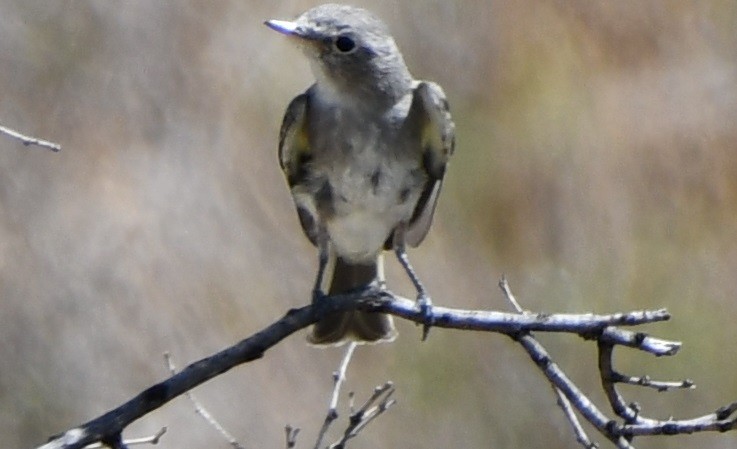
(357, 326)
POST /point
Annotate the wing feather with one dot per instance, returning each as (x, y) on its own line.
(293, 145)
(438, 143)
(295, 155)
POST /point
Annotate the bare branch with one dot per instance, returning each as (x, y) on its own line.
(153, 439)
(634, 423)
(563, 401)
(28, 140)
(382, 398)
(338, 379)
(723, 420)
(517, 326)
(359, 419)
(202, 411)
(504, 285)
(581, 435)
(646, 381)
(339, 376)
(639, 340)
(578, 399)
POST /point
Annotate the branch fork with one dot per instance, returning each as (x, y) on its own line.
(607, 330)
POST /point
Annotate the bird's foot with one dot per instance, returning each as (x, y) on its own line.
(424, 303)
(318, 296)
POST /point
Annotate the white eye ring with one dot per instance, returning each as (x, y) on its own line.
(344, 44)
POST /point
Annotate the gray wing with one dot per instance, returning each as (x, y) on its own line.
(437, 132)
(292, 138)
(295, 155)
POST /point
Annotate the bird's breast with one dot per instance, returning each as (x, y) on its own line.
(363, 194)
(367, 175)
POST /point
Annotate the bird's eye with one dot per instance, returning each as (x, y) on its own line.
(344, 44)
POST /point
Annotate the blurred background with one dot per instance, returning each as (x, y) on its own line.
(596, 168)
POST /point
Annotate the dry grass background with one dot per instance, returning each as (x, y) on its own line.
(596, 168)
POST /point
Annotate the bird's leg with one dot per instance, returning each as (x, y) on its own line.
(322, 261)
(380, 277)
(423, 299)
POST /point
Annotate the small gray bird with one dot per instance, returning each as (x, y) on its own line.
(364, 151)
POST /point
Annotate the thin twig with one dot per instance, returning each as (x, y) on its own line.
(565, 388)
(153, 439)
(629, 412)
(581, 435)
(639, 340)
(202, 411)
(338, 379)
(292, 433)
(360, 419)
(723, 420)
(504, 285)
(563, 401)
(339, 376)
(28, 140)
(659, 385)
(578, 399)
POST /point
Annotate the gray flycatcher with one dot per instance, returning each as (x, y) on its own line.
(364, 151)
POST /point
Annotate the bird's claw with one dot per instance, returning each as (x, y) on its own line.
(317, 296)
(425, 305)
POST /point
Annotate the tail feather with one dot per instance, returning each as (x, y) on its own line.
(358, 326)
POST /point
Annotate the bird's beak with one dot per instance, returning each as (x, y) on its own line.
(284, 27)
